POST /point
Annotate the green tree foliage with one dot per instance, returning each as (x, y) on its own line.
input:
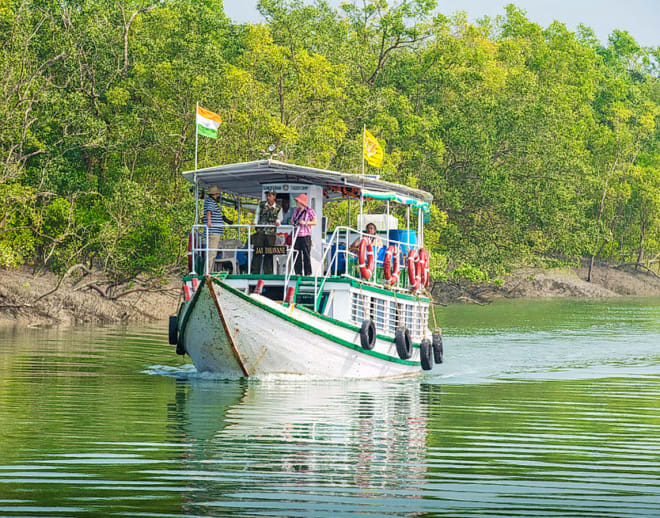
(540, 145)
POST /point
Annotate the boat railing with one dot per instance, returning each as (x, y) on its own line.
(345, 236)
(290, 260)
(339, 245)
(336, 247)
(328, 271)
(200, 240)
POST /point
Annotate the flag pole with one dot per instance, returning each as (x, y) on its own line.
(196, 184)
(364, 129)
(196, 112)
(364, 134)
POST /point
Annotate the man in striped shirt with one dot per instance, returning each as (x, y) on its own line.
(215, 222)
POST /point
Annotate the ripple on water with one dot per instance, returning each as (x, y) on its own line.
(528, 417)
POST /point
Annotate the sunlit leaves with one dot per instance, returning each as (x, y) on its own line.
(539, 144)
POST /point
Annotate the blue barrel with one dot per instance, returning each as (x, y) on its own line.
(380, 254)
(405, 237)
(337, 257)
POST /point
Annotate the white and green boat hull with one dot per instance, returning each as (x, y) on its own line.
(232, 334)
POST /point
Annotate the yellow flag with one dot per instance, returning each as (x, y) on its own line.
(373, 152)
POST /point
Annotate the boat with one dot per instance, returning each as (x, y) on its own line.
(363, 312)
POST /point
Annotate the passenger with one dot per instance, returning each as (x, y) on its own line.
(373, 237)
(287, 213)
(303, 219)
(215, 221)
(268, 213)
(287, 210)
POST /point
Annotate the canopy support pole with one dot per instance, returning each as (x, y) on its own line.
(408, 226)
(349, 213)
(239, 218)
(361, 208)
(387, 223)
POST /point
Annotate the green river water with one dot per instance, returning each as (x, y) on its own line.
(547, 408)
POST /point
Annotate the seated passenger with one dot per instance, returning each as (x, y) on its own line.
(373, 237)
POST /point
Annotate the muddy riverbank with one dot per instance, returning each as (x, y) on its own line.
(76, 303)
(606, 282)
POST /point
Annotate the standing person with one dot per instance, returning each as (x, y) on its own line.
(303, 219)
(287, 210)
(287, 213)
(214, 220)
(268, 213)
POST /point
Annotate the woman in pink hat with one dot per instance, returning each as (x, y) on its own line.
(303, 218)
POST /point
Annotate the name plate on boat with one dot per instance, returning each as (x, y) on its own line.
(277, 250)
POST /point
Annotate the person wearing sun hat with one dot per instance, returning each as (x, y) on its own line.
(214, 220)
(303, 219)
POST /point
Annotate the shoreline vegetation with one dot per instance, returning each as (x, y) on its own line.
(540, 146)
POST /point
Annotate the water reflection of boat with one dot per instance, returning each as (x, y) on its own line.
(200, 407)
(277, 433)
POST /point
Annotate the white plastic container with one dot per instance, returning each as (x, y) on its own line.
(380, 220)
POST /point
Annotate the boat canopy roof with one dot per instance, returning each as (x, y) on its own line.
(247, 178)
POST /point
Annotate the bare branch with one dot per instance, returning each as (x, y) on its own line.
(127, 28)
(60, 280)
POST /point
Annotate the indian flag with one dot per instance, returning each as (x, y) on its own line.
(207, 123)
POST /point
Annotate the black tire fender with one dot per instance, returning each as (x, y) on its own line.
(180, 349)
(426, 354)
(174, 330)
(368, 334)
(403, 342)
(437, 346)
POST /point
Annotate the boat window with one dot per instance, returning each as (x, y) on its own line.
(406, 315)
(357, 308)
(393, 320)
(378, 313)
(389, 314)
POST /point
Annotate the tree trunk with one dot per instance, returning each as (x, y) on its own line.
(127, 28)
(600, 214)
(593, 258)
(641, 247)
